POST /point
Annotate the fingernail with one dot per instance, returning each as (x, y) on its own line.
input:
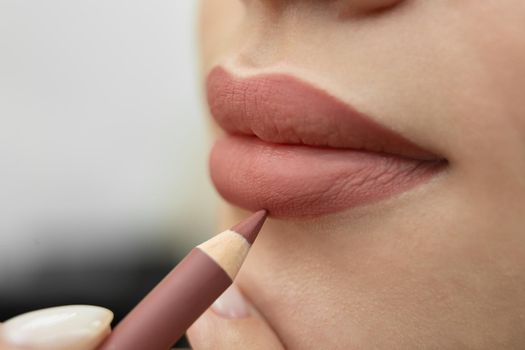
(72, 327)
(231, 304)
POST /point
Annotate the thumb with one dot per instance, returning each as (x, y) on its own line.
(72, 327)
(232, 323)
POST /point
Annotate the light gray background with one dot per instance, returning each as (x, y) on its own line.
(102, 127)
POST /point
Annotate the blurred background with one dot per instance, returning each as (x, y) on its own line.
(103, 151)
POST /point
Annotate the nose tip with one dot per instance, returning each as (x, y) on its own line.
(364, 7)
(346, 8)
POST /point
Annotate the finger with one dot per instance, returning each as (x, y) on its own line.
(3, 346)
(72, 327)
(231, 323)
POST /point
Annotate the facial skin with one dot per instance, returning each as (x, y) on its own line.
(443, 265)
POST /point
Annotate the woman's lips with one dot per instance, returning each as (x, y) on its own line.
(298, 151)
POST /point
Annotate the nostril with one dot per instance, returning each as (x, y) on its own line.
(366, 7)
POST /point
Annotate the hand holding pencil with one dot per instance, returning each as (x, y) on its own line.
(163, 316)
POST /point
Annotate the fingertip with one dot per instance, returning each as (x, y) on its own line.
(231, 304)
(232, 324)
(72, 327)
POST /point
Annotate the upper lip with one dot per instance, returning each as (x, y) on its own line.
(280, 108)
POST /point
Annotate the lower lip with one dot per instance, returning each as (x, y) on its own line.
(299, 181)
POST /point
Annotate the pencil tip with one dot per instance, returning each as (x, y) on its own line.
(250, 227)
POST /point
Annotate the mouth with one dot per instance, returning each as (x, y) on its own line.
(297, 151)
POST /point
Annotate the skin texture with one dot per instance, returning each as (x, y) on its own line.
(439, 267)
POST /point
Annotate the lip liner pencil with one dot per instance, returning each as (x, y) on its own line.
(165, 314)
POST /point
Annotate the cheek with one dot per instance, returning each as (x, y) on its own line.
(496, 34)
(501, 51)
(492, 109)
